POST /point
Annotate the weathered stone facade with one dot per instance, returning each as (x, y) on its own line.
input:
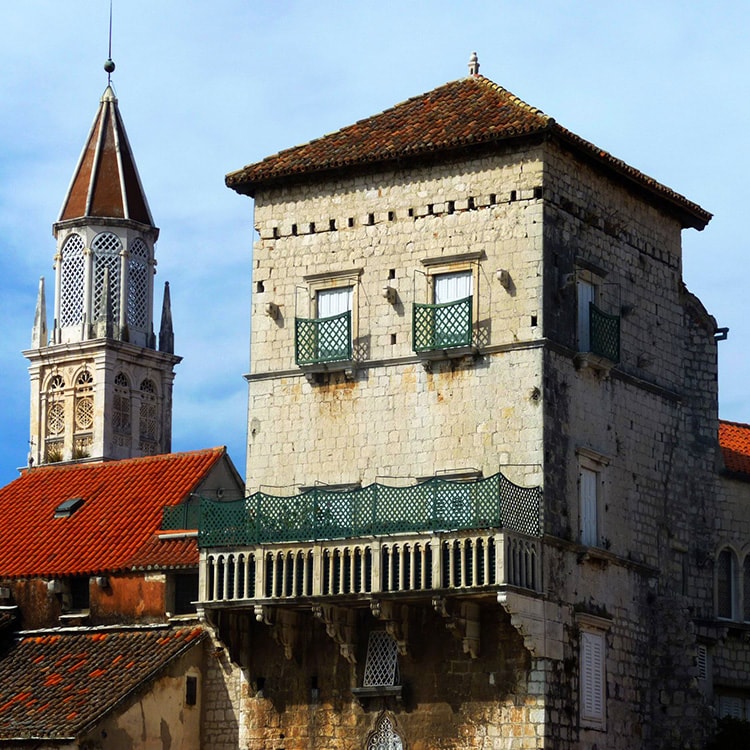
(605, 649)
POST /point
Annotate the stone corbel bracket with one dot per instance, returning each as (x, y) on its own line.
(284, 627)
(539, 623)
(341, 626)
(396, 619)
(464, 624)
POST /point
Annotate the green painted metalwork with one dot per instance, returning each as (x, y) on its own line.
(183, 516)
(443, 326)
(434, 505)
(605, 333)
(319, 340)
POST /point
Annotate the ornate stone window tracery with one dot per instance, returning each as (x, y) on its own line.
(148, 424)
(55, 420)
(138, 285)
(385, 737)
(106, 248)
(71, 281)
(83, 414)
(121, 419)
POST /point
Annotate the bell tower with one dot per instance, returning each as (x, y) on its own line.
(101, 386)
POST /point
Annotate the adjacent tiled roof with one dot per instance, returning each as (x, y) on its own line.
(172, 552)
(121, 510)
(734, 439)
(462, 114)
(105, 183)
(56, 685)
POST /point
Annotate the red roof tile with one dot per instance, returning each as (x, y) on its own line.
(56, 686)
(121, 510)
(734, 439)
(466, 113)
(174, 552)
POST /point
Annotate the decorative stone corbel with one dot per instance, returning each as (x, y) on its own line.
(464, 625)
(341, 626)
(284, 627)
(396, 619)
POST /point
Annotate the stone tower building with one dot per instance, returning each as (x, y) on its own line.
(101, 387)
(482, 445)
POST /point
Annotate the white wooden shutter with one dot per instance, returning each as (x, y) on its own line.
(334, 301)
(592, 677)
(450, 287)
(589, 481)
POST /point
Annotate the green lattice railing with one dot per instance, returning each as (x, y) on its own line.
(443, 326)
(605, 333)
(183, 516)
(435, 505)
(323, 339)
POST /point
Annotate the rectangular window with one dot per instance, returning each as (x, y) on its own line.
(592, 679)
(447, 322)
(589, 506)
(328, 332)
(79, 593)
(586, 298)
(725, 585)
(185, 593)
(191, 690)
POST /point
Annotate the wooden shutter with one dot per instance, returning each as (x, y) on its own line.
(592, 677)
(588, 491)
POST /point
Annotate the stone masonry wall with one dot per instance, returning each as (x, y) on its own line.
(393, 418)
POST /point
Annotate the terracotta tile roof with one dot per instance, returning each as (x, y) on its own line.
(734, 439)
(105, 182)
(174, 552)
(467, 113)
(56, 685)
(121, 510)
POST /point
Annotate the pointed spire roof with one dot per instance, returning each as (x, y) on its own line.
(105, 183)
(468, 114)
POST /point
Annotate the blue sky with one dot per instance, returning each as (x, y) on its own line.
(205, 88)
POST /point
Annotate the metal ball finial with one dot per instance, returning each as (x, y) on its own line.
(109, 65)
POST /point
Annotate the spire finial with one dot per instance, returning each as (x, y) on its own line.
(473, 64)
(109, 65)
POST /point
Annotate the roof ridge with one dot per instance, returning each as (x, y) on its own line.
(516, 99)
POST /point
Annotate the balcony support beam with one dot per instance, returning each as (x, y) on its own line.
(284, 626)
(462, 623)
(341, 626)
(396, 619)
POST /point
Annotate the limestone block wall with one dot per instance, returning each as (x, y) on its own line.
(449, 700)
(220, 707)
(393, 418)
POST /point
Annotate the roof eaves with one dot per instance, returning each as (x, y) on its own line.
(692, 215)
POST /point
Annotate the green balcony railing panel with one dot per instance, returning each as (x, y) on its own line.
(605, 334)
(183, 516)
(434, 505)
(443, 326)
(319, 340)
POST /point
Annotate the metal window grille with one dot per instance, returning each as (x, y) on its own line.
(381, 667)
(71, 281)
(323, 339)
(106, 247)
(442, 326)
(138, 285)
(604, 334)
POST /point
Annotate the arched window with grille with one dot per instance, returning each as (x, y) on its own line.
(385, 736)
(107, 248)
(138, 285)
(71, 281)
(121, 420)
(55, 420)
(83, 414)
(148, 423)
